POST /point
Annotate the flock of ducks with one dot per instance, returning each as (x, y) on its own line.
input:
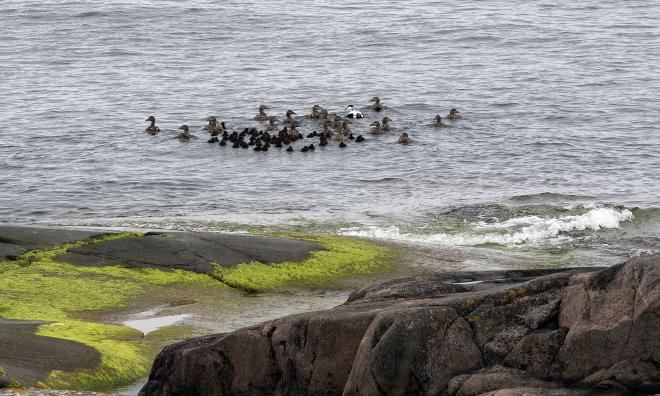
(335, 128)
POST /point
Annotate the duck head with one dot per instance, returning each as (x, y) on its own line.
(350, 108)
(454, 111)
(386, 120)
(375, 100)
(263, 108)
(272, 120)
(289, 113)
(375, 124)
(151, 119)
(438, 119)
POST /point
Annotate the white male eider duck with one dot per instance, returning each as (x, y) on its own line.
(353, 112)
(152, 129)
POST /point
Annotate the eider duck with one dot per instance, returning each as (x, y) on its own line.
(359, 139)
(378, 129)
(342, 144)
(152, 129)
(438, 122)
(376, 106)
(385, 124)
(289, 119)
(272, 120)
(316, 112)
(454, 114)
(353, 112)
(404, 139)
(289, 150)
(262, 116)
(323, 115)
(212, 127)
(185, 133)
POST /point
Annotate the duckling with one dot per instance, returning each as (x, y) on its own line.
(185, 133)
(289, 150)
(213, 139)
(289, 119)
(326, 128)
(376, 106)
(311, 147)
(438, 122)
(323, 142)
(404, 139)
(152, 129)
(304, 149)
(359, 139)
(378, 129)
(454, 115)
(316, 112)
(351, 137)
(262, 116)
(385, 124)
(353, 112)
(223, 142)
(342, 144)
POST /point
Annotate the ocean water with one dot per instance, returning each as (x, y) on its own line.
(558, 149)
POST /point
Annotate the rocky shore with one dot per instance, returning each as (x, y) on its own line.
(571, 332)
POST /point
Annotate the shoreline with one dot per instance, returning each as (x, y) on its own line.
(83, 286)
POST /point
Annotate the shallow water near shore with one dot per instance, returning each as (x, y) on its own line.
(557, 145)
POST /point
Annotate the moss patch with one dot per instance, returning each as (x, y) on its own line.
(71, 298)
(37, 287)
(341, 258)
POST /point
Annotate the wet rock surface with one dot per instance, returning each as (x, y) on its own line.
(29, 358)
(16, 240)
(190, 251)
(573, 332)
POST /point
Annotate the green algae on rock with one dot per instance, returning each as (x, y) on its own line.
(342, 257)
(38, 287)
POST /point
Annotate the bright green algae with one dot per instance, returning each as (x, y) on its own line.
(341, 257)
(39, 287)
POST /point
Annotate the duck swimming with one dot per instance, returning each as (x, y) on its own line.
(262, 116)
(378, 128)
(454, 114)
(289, 119)
(271, 123)
(212, 127)
(438, 122)
(376, 106)
(385, 124)
(404, 139)
(316, 112)
(185, 133)
(152, 129)
(353, 112)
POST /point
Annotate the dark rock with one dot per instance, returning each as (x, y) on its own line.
(572, 332)
(16, 240)
(190, 251)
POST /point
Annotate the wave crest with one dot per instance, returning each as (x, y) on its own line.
(527, 230)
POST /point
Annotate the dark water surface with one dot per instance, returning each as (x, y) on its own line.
(559, 143)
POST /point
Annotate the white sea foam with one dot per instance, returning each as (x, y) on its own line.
(527, 230)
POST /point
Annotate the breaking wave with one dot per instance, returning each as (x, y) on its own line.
(517, 231)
